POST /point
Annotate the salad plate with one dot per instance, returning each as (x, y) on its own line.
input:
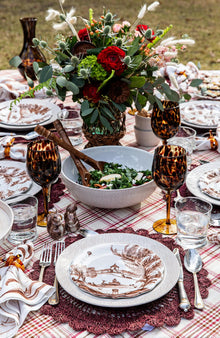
(209, 183)
(15, 182)
(115, 279)
(116, 271)
(26, 114)
(203, 114)
(193, 178)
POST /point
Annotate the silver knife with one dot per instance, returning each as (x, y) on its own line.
(184, 301)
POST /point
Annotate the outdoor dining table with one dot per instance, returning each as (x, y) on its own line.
(205, 323)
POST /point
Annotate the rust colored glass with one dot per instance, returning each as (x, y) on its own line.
(43, 166)
(169, 171)
(29, 52)
(165, 123)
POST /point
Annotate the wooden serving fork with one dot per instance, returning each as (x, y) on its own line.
(99, 165)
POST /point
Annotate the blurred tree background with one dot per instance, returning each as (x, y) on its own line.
(200, 19)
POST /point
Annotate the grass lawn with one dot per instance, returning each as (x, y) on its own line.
(198, 18)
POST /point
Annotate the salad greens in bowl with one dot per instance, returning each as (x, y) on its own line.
(126, 179)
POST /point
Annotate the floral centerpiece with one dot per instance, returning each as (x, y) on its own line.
(107, 66)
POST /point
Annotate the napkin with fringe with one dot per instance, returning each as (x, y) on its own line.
(18, 293)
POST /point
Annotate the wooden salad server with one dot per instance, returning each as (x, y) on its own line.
(99, 165)
(84, 173)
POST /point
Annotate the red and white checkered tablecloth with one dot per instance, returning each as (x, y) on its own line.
(205, 324)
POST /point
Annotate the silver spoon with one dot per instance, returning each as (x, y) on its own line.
(193, 263)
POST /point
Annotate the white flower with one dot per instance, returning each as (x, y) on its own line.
(173, 81)
(142, 12)
(153, 6)
(52, 14)
(60, 26)
(172, 42)
(167, 41)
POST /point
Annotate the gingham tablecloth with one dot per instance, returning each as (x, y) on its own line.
(205, 324)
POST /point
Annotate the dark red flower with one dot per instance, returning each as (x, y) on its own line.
(83, 34)
(111, 58)
(143, 28)
(90, 92)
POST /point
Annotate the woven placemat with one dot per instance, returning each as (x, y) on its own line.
(100, 320)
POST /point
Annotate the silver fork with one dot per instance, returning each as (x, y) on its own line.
(45, 259)
(54, 299)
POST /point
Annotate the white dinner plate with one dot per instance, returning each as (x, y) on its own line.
(51, 116)
(209, 183)
(193, 178)
(6, 220)
(200, 114)
(33, 189)
(169, 261)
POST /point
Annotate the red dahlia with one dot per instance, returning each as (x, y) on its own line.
(90, 92)
(111, 58)
(83, 34)
(143, 28)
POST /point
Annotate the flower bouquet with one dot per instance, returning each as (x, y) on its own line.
(107, 66)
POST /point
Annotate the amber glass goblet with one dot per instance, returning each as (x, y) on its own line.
(165, 123)
(169, 170)
(43, 166)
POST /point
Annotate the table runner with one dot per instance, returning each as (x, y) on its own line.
(205, 324)
(100, 320)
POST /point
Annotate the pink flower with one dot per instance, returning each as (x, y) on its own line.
(117, 27)
(126, 24)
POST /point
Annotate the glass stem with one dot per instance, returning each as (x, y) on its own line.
(46, 193)
(168, 199)
(164, 142)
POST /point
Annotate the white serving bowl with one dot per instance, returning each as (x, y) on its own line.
(6, 220)
(146, 138)
(137, 159)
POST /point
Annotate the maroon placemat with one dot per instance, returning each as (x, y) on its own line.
(57, 190)
(100, 320)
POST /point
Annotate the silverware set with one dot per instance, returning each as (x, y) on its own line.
(45, 261)
(193, 264)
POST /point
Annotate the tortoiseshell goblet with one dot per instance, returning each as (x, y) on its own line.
(165, 123)
(169, 170)
(43, 166)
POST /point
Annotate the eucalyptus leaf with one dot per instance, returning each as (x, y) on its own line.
(46, 74)
(159, 103)
(105, 123)
(85, 105)
(94, 116)
(29, 81)
(187, 97)
(87, 112)
(108, 113)
(68, 68)
(148, 87)
(196, 83)
(35, 67)
(120, 107)
(158, 81)
(61, 81)
(15, 61)
(72, 87)
(134, 48)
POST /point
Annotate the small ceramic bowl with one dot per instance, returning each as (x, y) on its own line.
(143, 122)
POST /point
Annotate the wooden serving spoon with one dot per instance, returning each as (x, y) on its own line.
(99, 165)
(84, 173)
